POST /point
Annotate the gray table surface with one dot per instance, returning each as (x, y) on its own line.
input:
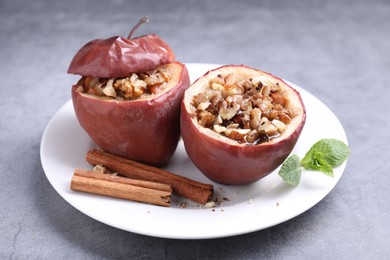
(337, 50)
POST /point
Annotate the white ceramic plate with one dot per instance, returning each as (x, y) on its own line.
(243, 209)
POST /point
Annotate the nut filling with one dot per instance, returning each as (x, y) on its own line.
(135, 86)
(250, 111)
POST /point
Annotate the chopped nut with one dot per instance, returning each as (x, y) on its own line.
(218, 120)
(241, 131)
(109, 90)
(227, 113)
(218, 80)
(207, 120)
(255, 116)
(219, 129)
(237, 134)
(252, 136)
(139, 88)
(285, 118)
(166, 75)
(268, 128)
(152, 80)
(99, 169)
(230, 90)
(200, 98)
(233, 126)
(216, 86)
(210, 204)
(263, 121)
(278, 98)
(279, 125)
(103, 170)
(133, 78)
(203, 105)
(139, 84)
(231, 78)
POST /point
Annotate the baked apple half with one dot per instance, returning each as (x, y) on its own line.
(239, 124)
(128, 98)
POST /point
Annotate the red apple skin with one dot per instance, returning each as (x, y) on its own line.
(234, 164)
(118, 56)
(143, 130)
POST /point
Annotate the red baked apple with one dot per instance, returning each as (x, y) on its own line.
(239, 124)
(128, 99)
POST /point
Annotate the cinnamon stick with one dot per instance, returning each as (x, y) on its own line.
(120, 187)
(193, 190)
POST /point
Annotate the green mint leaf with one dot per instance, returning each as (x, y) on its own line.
(334, 152)
(319, 163)
(323, 156)
(291, 170)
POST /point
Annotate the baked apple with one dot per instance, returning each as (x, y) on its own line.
(128, 98)
(239, 124)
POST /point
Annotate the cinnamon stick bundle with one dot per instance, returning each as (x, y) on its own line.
(120, 187)
(193, 190)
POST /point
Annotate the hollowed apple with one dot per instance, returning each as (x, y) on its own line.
(239, 124)
(145, 129)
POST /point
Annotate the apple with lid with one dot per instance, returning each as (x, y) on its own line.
(128, 98)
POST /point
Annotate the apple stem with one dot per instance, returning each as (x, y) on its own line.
(141, 21)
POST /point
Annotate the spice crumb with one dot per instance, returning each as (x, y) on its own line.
(183, 205)
(210, 204)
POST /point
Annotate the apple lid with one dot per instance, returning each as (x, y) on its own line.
(119, 57)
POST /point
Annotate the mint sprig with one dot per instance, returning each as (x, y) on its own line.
(291, 170)
(323, 156)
